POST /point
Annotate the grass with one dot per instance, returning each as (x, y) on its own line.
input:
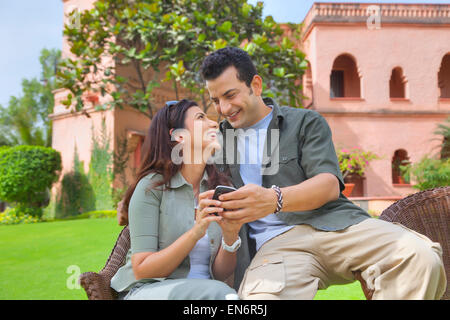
(34, 259)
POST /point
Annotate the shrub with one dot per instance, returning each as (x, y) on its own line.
(27, 174)
(15, 216)
(98, 214)
(4, 148)
(429, 173)
(76, 194)
(101, 169)
(91, 215)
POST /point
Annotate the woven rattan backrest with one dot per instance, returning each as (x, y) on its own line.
(427, 212)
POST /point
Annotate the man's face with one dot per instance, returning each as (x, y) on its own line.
(233, 99)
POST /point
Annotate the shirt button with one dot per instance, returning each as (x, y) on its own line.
(212, 241)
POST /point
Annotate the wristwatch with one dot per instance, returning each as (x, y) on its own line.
(234, 247)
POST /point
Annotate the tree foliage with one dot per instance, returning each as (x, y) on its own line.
(151, 41)
(25, 120)
(443, 130)
(430, 172)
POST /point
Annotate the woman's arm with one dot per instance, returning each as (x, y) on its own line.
(225, 261)
(162, 263)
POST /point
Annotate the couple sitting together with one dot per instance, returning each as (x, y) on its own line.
(284, 233)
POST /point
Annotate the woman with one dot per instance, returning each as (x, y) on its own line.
(177, 251)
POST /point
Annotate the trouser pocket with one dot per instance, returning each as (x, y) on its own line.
(265, 275)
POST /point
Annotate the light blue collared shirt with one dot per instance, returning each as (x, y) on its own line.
(250, 145)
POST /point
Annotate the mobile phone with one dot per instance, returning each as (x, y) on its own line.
(221, 190)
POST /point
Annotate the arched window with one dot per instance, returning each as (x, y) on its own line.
(344, 78)
(444, 77)
(445, 150)
(400, 158)
(397, 84)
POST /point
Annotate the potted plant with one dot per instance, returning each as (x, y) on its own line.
(353, 161)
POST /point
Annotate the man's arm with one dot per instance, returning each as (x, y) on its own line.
(311, 194)
(252, 202)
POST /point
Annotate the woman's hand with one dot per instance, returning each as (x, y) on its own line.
(205, 214)
(225, 261)
(230, 228)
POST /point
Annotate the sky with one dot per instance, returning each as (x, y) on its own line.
(28, 26)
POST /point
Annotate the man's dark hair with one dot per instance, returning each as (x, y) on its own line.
(216, 63)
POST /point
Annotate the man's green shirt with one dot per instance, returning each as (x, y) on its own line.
(303, 149)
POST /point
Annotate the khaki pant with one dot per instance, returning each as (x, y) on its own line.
(396, 262)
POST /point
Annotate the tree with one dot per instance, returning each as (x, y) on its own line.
(153, 40)
(443, 129)
(25, 121)
(27, 174)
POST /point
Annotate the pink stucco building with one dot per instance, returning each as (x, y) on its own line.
(379, 74)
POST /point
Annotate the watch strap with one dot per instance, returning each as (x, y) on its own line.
(234, 247)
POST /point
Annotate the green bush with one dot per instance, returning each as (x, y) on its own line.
(429, 173)
(76, 195)
(98, 214)
(16, 216)
(91, 215)
(27, 174)
(101, 169)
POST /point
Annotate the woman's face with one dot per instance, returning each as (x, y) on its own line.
(200, 133)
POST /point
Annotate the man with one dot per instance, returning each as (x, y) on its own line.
(299, 230)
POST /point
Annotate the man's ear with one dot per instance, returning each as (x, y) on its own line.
(257, 85)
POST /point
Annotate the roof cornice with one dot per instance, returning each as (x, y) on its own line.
(390, 13)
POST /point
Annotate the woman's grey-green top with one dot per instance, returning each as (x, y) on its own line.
(157, 218)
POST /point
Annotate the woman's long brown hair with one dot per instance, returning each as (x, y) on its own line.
(157, 150)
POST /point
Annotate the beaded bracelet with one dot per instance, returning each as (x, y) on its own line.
(279, 198)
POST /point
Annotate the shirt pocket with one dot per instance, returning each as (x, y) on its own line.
(265, 275)
(286, 169)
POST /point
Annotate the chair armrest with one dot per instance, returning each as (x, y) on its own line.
(96, 286)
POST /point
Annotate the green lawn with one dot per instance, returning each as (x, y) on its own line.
(34, 259)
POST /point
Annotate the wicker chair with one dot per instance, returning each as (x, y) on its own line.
(97, 285)
(427, 212)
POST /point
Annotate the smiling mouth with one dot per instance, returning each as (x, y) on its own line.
(212, 134)
(233, 115)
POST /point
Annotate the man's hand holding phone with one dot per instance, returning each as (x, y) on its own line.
(209, 204)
